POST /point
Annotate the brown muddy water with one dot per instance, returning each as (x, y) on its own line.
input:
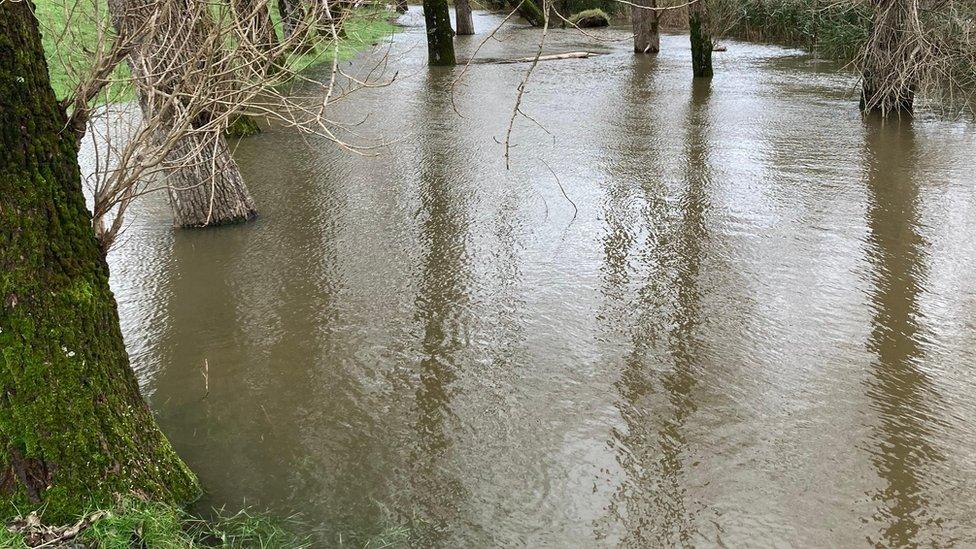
(759, 329)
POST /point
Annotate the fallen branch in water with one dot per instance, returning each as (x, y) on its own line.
(551, 57)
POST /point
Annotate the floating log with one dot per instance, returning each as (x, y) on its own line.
(550, 57)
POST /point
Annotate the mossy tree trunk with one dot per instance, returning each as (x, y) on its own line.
(204, 183)
(463, 17)
(701, 39)
(243, 126)
(647, 37)
(530, 11)
(889, 63)
(74, 429)
(440, 36)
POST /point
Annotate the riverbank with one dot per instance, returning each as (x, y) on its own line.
(136, 523)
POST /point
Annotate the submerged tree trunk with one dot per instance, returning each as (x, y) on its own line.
(205, 187)
(440, 36)
(204, 183)
(463, 17)
(647, 38)
(75, 432)
(889, 62)
(701, 39)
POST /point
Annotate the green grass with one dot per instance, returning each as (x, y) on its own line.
(136, 523)
(70, 48)
(362, 29)
(70, 33)
(145, 524)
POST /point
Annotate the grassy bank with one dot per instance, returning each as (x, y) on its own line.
(837, 30)
(136, 524)
(141, 524)
(71, 32)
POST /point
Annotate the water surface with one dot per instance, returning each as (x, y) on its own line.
(759, 328)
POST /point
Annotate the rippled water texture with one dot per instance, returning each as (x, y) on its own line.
(758, 329)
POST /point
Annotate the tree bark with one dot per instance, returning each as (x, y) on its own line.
(74, 429)
(647, 38)
(205, 186)
(463, 17)
(701, 39)
(530, 11)
(888, 81)
(260, 28)
(204, 183)
(440, 36)
(292, 13)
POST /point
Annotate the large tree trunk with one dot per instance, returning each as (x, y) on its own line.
(647, 38)
(889, 62)
(463, 17)
(701, 39)
(440, 36)
(74, 430)
(205, 185)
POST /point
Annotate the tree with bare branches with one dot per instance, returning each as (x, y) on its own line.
(196, 71)
(890, 64)
(204, 183)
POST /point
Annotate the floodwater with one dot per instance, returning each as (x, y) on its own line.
(756, 327)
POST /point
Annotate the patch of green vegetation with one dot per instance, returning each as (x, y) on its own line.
(243, 126)
(11, 540)
(592, 15)
(137, 523)
(71, 32)
(361, 29)
(837, 30)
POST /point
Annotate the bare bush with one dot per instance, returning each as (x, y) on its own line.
(195, 66)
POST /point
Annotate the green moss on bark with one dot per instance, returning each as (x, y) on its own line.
(243, 126)
(530, 11)
(75, 432)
